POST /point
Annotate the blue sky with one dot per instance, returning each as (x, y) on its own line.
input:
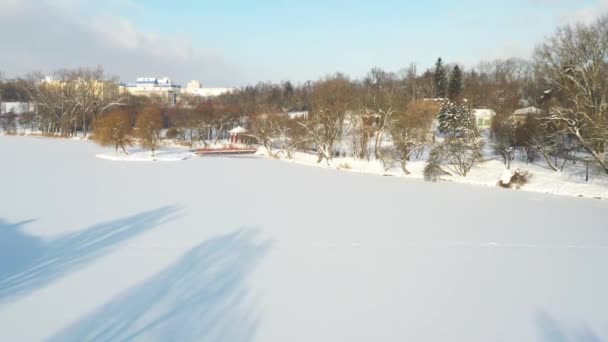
(300, 40)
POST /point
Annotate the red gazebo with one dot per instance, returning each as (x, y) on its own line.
(237, 135)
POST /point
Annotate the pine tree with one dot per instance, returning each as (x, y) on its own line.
(456, 119)
(462, 145)
(440, 79)
(455, 85)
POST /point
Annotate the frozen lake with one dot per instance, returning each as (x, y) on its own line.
(249, 249)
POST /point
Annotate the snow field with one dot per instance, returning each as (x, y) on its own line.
(249, 249)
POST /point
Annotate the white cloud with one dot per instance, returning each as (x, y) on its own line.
(40, 35)
(587, 14)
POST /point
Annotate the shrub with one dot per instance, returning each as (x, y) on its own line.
(149, 124)
(344, 166)
(113, 129)
(172, 133)
(432, 170)
(515, 179)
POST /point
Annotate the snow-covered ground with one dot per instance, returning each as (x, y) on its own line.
(570, 182)
(250, 249)
(164, 153)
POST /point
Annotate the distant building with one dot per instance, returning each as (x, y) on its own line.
(152, 86)
(484, 117)
(195, 88)
(520, 115)
(298, 115)
(103, 88)
(17, 108)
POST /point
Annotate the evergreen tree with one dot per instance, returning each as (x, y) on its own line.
(288, 90)
(462, 146)
(455, 85)
(440, 78)
(456, 119)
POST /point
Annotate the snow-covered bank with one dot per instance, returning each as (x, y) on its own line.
(162, 154)
(243, 249)
(570, 182)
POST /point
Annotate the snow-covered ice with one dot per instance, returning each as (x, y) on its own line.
(164, 153)
(250, 249)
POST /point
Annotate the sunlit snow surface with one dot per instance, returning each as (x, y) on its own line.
(251, 249)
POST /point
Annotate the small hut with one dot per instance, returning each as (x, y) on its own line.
(484, 117)
(238, 135)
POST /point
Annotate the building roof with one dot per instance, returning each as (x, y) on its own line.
(238, 129)
(207, 92)
(484, 113)
(527, 111)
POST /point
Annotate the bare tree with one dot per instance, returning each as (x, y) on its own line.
(411, 130)
(114, 129)
(575, 62)
(265, 129)
(69, 100)
(148, 126)
(504, 129)
(8, 123)
(383, 101)
(94, 94)
(331, 98)
(361, 130)
(291, 135)
(221, 119)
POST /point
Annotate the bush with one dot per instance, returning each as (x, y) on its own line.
(432, 170)
(514, 179)
(345, 166)
(461, 153)
(172, 133)
(113, 129)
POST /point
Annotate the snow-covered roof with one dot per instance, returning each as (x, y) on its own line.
(435, 99)
(527, 111)
(207, 92)
(296, 115)
(484, 113)
(238, 129)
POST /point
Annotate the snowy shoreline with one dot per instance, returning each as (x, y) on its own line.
(487, 173)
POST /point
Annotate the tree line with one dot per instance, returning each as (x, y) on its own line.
(385, 116)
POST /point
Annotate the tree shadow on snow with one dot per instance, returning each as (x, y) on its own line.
(201, 297)
(550, 330)
(28, 262)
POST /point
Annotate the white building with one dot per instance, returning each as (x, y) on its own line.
(521, 114)
(152, 86)
(195, 88)
(527, 111)
(17, 108)
(298, 115)
(484, 117)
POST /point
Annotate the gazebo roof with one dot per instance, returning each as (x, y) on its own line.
(238, 129)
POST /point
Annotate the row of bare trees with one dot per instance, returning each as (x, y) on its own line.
(387, 116)
(67, 101)
(571, 69)
(567, 81)
(117, 130)
(346, 115)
